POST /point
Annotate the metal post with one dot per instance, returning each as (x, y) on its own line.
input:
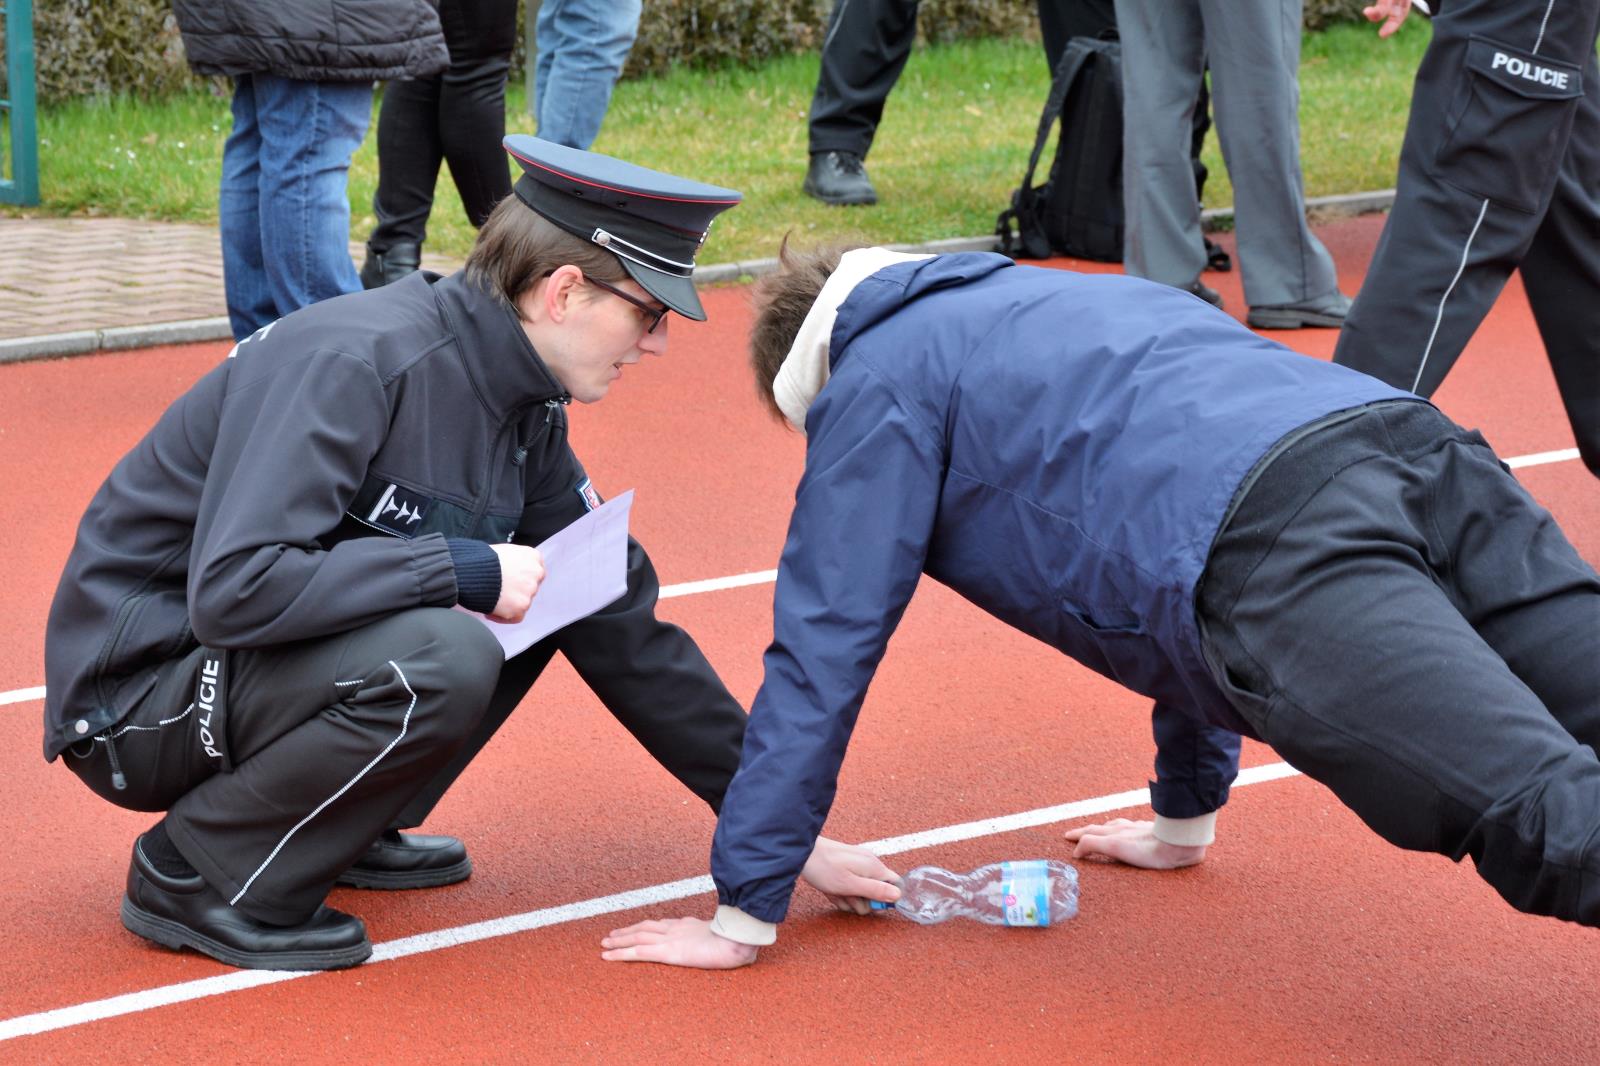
(18, 106)
(530, 52)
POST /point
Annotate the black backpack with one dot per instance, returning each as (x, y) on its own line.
(1078, 210)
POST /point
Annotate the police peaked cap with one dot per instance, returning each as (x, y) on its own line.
(653, 222)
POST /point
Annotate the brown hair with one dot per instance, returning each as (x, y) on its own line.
(781, 301)
(517, 246)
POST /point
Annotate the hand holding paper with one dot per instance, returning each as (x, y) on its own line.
(521, 570)
(584, 567)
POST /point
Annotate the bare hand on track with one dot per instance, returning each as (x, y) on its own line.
(677, 942)
(521, 571)
(1134, 843)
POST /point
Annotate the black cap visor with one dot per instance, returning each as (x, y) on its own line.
(677, 293)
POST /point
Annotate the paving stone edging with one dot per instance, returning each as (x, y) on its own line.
(88, 341)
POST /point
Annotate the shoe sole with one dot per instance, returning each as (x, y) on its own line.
(392, 880)
(177, 936)
(1293, 320)
(839, 201)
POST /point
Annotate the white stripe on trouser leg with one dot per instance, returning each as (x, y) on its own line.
(1439, 318)
(1542, 24)
(404, 723)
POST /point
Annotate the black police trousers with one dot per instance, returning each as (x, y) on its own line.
(1392, 612)
(311, 750)
(1500, 169)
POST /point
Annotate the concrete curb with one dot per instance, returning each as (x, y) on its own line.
(84, 342)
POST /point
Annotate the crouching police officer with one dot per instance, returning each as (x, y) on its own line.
(252, 632)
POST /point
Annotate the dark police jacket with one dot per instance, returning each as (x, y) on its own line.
(1059, 449)
(313, 40)
(306, 486)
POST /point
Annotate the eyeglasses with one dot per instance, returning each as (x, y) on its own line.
(652, 315)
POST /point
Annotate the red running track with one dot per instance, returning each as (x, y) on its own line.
(1301, 938)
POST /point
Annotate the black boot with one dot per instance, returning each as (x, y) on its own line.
(183, 911)
(839, 178)
(384, 265)
(409, 860)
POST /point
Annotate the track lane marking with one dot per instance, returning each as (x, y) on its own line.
(764, 577)
(422, 943)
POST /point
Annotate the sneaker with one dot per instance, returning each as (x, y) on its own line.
(1328, 312)
(839, 178)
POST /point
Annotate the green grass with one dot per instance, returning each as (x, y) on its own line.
(952, 145)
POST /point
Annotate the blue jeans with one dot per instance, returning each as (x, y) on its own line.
(285, 212)
(583, 45)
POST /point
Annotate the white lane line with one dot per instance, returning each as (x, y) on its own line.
(1541, 458)
(238, 980)
(717, 584)
(764, 577)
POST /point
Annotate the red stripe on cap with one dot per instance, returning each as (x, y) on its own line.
(613, 188)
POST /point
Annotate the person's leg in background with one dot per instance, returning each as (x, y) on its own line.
(1561, 272)
(1254, 54)
(244, 278)
(583, 46)
(409, 154)
(1478, 167)
(459, 117)
(309, 132)
(1163, 64)
(864, 51)
(472, 100)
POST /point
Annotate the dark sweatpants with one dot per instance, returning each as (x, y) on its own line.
(328, 741)
(1500, 169)
(1402, 622)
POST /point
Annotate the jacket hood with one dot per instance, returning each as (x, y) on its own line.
(891, 288)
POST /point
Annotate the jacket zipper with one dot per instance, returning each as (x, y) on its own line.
(118, 780)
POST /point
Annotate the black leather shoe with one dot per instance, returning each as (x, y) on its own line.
(185, 912)
(409, 860)
(839, 178)
(389, 264)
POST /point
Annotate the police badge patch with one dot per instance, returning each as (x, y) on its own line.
(399, 510)
(591, 498)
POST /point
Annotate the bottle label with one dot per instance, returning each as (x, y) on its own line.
(1025, 892)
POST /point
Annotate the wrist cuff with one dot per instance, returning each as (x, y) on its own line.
(477, 574)
(735, 924)
(1187, 832)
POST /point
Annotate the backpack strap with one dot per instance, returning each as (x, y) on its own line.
(1073, 57)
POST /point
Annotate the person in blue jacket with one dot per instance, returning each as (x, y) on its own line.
(1264, 543)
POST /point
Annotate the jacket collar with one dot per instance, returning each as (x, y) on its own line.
(505, 370)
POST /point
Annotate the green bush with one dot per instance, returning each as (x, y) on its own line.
(98, 47)
(1320, 14)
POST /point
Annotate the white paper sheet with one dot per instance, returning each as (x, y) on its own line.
(585, 568)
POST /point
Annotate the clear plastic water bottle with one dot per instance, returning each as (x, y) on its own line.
(1035, 892)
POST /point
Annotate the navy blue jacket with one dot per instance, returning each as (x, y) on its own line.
(1059, 449)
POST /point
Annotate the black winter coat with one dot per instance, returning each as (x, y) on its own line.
(314, 40)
